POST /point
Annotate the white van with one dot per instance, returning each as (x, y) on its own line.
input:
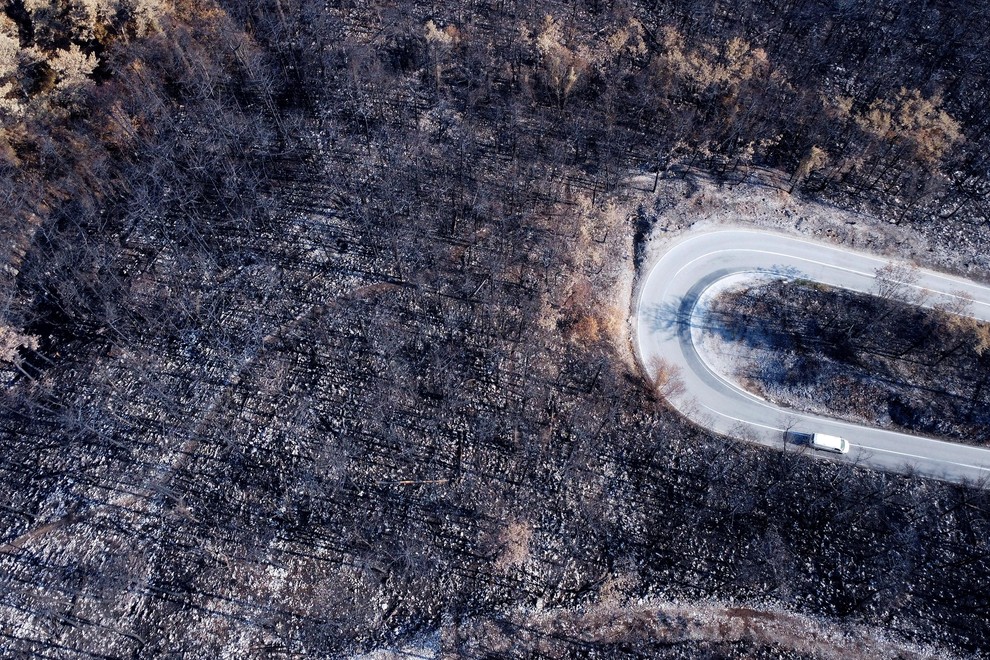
(831, 443)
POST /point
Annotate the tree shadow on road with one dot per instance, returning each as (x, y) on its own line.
(679, 315)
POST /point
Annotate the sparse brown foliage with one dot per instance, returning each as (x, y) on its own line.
(514, 542)
(562, 66)
(12, 341)
(915, 119)
(666, 377)
(816, 159)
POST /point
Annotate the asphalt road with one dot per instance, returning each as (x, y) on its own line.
(670, 316)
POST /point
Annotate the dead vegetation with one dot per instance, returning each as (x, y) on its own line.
(329, 301)
(667, 377)
(681, 630)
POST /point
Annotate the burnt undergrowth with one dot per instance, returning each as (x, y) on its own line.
(862, 357)
(320, 366)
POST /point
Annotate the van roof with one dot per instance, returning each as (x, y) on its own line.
(825, 440)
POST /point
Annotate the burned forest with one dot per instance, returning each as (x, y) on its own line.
(865, 358)
(314, 327)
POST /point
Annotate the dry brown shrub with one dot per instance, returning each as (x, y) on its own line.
(11, 341)
(916, 119)
(666, 376)
(514, 541)
(587, 329)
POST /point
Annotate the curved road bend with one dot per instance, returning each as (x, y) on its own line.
(669, 318)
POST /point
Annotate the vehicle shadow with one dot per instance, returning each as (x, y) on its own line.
(797, 438)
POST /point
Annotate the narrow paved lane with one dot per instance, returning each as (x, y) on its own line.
(670, 317)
